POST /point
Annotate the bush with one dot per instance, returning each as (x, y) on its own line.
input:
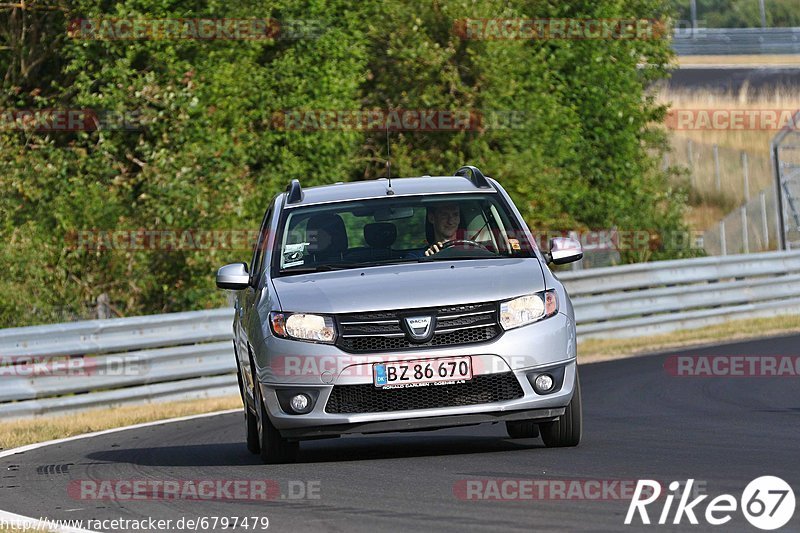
(204, 154)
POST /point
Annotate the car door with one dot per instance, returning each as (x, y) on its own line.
(246, 312)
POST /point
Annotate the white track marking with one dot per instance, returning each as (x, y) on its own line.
(31, 523)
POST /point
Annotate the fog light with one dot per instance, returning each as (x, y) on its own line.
(300, 403)
(543, 383)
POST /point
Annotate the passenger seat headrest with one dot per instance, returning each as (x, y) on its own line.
(380, 234)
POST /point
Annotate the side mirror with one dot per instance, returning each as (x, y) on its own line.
(563, 250)
(233, 277)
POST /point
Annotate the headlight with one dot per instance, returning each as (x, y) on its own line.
(528, 309)
(300, 326)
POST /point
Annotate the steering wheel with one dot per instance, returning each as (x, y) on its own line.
(457, 242)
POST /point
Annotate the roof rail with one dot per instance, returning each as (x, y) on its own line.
(295, 192)
(474, 175)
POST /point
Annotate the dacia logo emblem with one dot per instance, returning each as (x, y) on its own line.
(419, 328)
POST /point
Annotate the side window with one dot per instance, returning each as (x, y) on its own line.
(294, 241)
(256, 266)
(478, 221)
(505, 240)
(411, 231)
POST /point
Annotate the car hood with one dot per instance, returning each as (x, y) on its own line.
(409, 285)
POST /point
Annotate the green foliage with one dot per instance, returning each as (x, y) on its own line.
(204, 153)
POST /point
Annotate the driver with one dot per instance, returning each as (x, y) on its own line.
(445, 219)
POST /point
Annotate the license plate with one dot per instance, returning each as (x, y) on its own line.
(422, 373)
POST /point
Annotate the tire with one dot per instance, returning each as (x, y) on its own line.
(250, 421)
(566, 431)
(522, 429)
(274, 449)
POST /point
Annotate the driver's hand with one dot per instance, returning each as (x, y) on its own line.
(434, 249)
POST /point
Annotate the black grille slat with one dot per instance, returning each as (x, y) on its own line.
(454, 338)
(371, 329)
(367, 398)
(471, 308)
(456, 325)
(484, 319)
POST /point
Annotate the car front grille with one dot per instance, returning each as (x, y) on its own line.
(381, 331)
(367, 398)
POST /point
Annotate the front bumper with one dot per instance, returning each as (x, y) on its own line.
(418, 424)
(299, 365)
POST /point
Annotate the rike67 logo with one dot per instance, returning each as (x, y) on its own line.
(767, 503)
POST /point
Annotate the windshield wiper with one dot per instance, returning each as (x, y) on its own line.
(433, 258)
(384, 262)
(318, 268)
(347, 266)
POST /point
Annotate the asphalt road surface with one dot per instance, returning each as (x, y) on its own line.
(640, 423)
(759, 80)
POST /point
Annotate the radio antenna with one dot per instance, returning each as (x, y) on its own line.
(389, 190)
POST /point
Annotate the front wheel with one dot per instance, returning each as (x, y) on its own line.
(251, 421)
(566, 431)
(250, 418)
(273, 447)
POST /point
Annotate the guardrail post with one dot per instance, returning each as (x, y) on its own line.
(746, 177)
(722, 239)
(764, 224)
(103, 306)
(780, 223)
(745, 243)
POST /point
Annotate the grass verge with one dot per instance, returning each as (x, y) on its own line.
(16, 433)
(743, 60)
(595, 350)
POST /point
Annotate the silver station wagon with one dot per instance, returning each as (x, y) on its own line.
(402, 304)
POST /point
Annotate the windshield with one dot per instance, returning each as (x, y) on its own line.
(396, 230)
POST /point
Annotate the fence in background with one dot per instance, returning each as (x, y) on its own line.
(786, 163)
(736, 41)
(747, 229)
(766, 215)
(190, 355)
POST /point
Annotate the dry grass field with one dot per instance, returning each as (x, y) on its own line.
(693, 147)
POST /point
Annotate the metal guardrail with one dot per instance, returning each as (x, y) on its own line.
(189, 355)
(736, 41)
(665, 296)
(105, 363)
